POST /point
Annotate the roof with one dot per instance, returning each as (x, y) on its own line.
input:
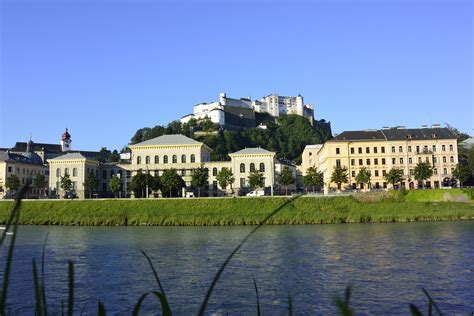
(316, 146)
(173, 139)
(11, 157)
(70, 156)
(396, 134)
(253, 151)
(21, 146)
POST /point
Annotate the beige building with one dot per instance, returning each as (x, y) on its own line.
(381, 150)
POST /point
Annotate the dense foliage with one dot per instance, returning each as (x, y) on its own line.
(287, 136)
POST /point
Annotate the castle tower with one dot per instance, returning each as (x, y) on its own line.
(299, 105)
(66, 141)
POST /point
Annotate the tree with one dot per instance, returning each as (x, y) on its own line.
(40, 181)
(155, 183)
(199, 179)
(139, 183)
(313, 177)
(363, 176)
(339, 176)
(256, 179)
(286, 178)
(462, 173)
(225, 178)
(66, 183)
(423, 171)
(394, 176)
(91, 183)
(170, 180)
(12, 183)
(115, 184)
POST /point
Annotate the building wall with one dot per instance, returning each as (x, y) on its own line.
(241, 177)
(25, 173)
(309, 157)
(77, 170)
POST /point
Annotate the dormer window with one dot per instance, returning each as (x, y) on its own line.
(433, 135)
(409, 136)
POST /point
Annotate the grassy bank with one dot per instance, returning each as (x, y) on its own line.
(379, 207)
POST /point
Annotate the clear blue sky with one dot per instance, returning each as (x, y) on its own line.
(106, 68)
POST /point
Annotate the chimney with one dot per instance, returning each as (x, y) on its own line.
(424, 126)
(436, 126)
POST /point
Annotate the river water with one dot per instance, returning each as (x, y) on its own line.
(386, 265)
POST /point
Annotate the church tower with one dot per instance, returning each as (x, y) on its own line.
(66, 141)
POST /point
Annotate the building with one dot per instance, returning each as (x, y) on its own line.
(25, 166)
(381, 150)
(240, 113)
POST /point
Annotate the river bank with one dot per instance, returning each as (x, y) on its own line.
(429, 205)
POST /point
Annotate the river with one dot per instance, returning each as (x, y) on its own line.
(386, 265)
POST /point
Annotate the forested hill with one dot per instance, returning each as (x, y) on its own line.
(287, 136)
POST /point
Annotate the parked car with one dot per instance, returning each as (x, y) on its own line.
(189, 194)
(256, 193)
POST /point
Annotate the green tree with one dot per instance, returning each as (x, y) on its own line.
(12, 183)
(286, 178)
(313, 178)
(199, 179)
(394, 176)
(40, 182)
(170, 180)
(66, 183)
(115, 184)
(462, 173)
(423, 171)
(363, 176)
(225, 177)
(256, 180)
(91, 183)
(339, 176)
(138, 184)
(155, 182)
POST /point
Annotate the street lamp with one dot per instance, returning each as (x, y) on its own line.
(146, 182)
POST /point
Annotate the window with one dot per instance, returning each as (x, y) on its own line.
(139, 160)
(58, 172)
(434, 160)
(375, 150)
(165, 159)
(262, 167)
(401, 160)
(353, 162)
(409, 149)
(410, 160)
(368, 162)
(367, 150)
(393, 161)
(352, 150)
(443, 147)
(427, 159)
(242, 168)
(444, 160)
(419, 159)
(183, 158)
(383, 150)
(412, 172)
(384, 173)
(74, 172)
(445, 171)
(252, 167)
(104, 174)
(214, 171)
(383, 161)
(360, 150)
(157, 160)
(353, 173)
(417, 149)
(361, 162)
(111, 173)
(435, 171)
(242, 182)
(393, 149)
(9, 169)
(400, 149)
(338, 151)
(376, 173)
(376, 161)
(451, 148)
(66, 171)
(338, 163)
(147, 160)
(451, 159)
(310, 154)
(174, 159)
(193, 158)
(434, 148)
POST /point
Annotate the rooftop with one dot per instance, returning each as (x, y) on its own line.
(396, 133)
(174, 139)
(253, 151)
(11, 157)
(70, 156)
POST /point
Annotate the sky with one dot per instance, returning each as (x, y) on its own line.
(106, 68)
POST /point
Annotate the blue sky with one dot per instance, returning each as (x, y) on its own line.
(106, 68)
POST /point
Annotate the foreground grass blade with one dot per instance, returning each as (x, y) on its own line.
(160, 296)
(431, 302)
(70, 306)
(343, 305)
(101, 311)
(13, 220)
(290, 306)
(258, 299)
(218, 274)
(36, 283)
(42, 285)
(415, 311)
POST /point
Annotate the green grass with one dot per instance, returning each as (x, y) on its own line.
(240, 211)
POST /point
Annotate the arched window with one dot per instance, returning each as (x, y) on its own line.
(175, 159)
(157, 159)
(139, 160)
(74, 172)
(183, 158)
(252, 167)
(58, 172)
(242, 167)
(214, 171)
(147, 160)
(193, 158)
(262, 167)
(66, 171)
(165, 159)
(104, 174)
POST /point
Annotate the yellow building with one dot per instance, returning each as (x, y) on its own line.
(381, 150)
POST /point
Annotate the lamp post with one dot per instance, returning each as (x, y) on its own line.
(146, 194)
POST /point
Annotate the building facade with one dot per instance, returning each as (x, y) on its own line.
(381, 150)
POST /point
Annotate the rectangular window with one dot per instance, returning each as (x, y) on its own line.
(368, 162)
(352, 150)
(412, 172)
(434, 160)
(445, 171)
(417, 149)
(444, 160)
(353, 162)
(367, 150)
(376, 172)
(338, 163)
(375, 150)
(451, 159)
(353, 173)
(443, 147)
(242, 182)
(451, 148)
(401, 160)
(383, 150)
(434, 148)
(410, 160)
(383, 161)
(360, 150)
(400, 149)
(393, 149)
(435, 171)
(409, 149)
(338, 151)
(393, 161)
(360, 162)
(376, 161)
(9, 169)
(384, 172)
